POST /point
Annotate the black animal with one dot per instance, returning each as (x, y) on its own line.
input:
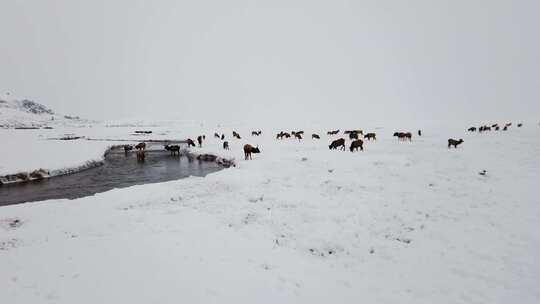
(298, 135)
(357, 144)
(454, 142)
(332, 132)
(226, 145)
(419, 132)
(190, 143)
(353, 135)
(337, 143)
(255, 133)
(313, 136)
(235, 134)
(472, 129)
(248, 149)
(216, 135)
(127, 148)
(174, 149)
(199, 140)
(403, 135)
(520, 125)
(222, 136)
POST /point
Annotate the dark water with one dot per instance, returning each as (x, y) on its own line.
(119, 171)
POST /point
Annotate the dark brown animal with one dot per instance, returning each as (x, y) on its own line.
(357, 144)
(140, 146)
(226, 145)
(337, 143)
(190, 142)
(332, 132)
(199, 140)
(454, 142)
(315, 136)
(174, 149)
(371, 136)
(353, 135)
(248, 149)
(403, 135)
(128, 148)
(141, 155)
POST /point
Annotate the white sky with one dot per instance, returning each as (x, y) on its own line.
(377, 60)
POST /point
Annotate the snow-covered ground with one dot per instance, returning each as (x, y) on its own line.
(398, 223)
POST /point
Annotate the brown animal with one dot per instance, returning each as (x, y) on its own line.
(248, 149)
(226, 145)
(370, 136)
(353, 135)
(174, 149)
(199, 140)
(454, 142)
(337, 143)
(141, 155)
(313, 136)
(403, 135)
(140, 146)
(190, 143)
(357, 144)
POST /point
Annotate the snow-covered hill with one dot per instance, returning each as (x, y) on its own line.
(24, 113)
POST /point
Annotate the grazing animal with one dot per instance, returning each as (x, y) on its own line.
(337, 143)
(279, 135)
(286, 135)
(315, 136)
(354, 131)
(505, 128)
(508, 124)
(255, 133)
(127, 148)
(357, 144)
(300, 132)
(235, 134)
(222, 136)
(353, 135)
(403, 135)
(226, 145)
(419, 132)
(174, 149)
(141, 155)
(370, 136)
(472, 129)
(199, 140)
(140, 146)
(190, 143)
(298, 135)
(216, 135)
(248, 149)
(520, 125)
(454, 142)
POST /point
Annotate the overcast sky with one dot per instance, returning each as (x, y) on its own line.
(429, 59)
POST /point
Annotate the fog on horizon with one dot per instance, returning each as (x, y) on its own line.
(274, 60)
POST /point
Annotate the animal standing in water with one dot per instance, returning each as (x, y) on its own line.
(190, 142)
(141, 155)
(174, 149)
(140, 146)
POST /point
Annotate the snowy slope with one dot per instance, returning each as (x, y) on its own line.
(23, 113)
(398, 223)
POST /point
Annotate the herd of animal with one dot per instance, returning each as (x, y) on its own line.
(356, 136)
